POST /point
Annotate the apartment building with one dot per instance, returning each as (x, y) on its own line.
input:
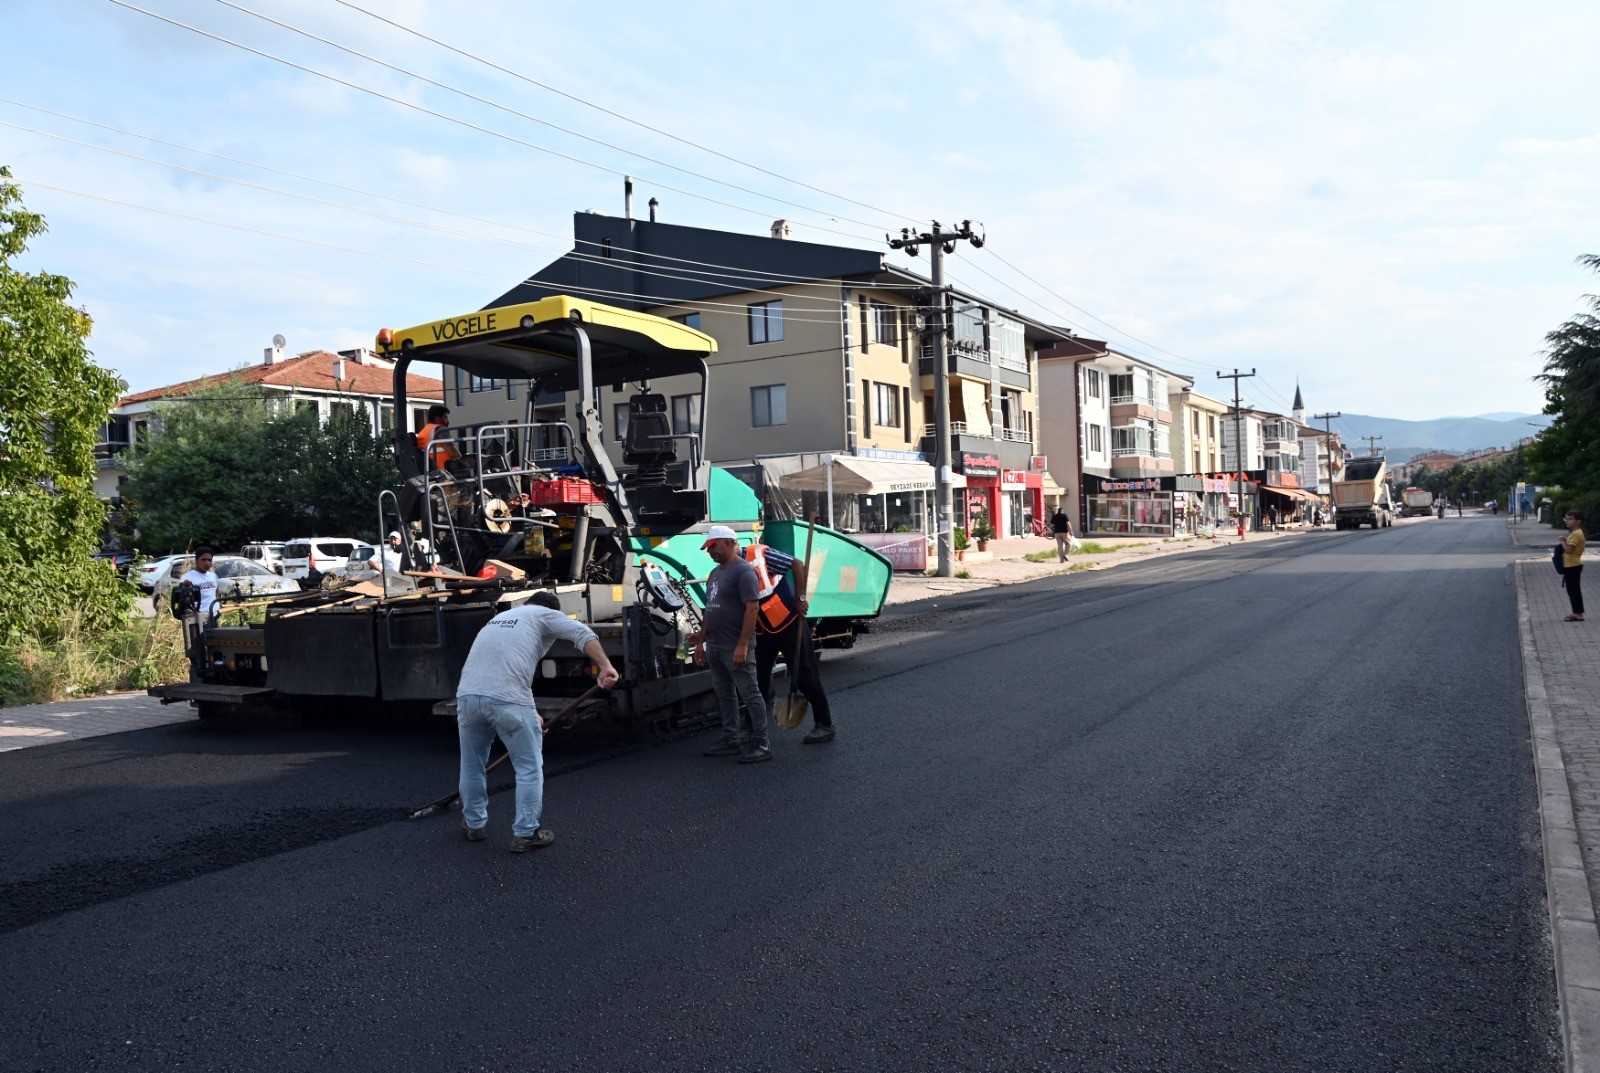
(821, 362)
(1108, 436)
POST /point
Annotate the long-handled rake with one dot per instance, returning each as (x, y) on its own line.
(446, 802)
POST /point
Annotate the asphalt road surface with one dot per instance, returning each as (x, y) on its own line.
(1268, 808)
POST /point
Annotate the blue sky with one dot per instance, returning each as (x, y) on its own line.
(1382, 202)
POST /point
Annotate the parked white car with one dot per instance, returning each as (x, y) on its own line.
(324, 555)
(146, 575)
(236, 576)
(269, 555)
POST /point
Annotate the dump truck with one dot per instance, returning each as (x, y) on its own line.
(1416, 503)
(499, 510)
(1361, 495)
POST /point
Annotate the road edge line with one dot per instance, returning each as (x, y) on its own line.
(1574, 934)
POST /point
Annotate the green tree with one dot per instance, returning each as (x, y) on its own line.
(53, 402)
(232, 464)
(1568, 452)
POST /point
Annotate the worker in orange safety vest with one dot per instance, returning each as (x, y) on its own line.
(781, 629)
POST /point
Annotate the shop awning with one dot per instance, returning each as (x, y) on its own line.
(1292, 493)
(868, 476)
(1050, 488)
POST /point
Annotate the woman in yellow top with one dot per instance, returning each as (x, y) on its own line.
(1573, 561)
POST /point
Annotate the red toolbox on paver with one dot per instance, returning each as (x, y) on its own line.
(562, 490)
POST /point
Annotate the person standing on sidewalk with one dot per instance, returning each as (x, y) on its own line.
(1061, 526)
(1572, 577)
(781, 630)
(495, 699)
(723, 644)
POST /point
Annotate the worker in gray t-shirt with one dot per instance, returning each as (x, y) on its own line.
(495, 698)
(724, 646)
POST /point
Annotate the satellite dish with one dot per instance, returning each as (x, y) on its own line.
(279, 341)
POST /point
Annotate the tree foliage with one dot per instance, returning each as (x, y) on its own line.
(53, 402)
(1568, 452)
(234, 463)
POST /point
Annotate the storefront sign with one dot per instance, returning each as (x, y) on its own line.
(1013, 476)
(980, 465)
(1150, 485)
(1038, 463)
(885, 455)
(907, 551)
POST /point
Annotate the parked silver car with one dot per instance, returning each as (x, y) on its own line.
(268, 554)
(236, 577)
(320, 555)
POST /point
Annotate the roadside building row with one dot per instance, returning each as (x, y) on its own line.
(823, 390)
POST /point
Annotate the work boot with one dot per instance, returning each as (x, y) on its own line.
(725, 749)
(474, 834)
(755, 755)
(819, 734)
(538, 840)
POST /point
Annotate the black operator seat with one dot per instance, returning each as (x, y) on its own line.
(649, 445)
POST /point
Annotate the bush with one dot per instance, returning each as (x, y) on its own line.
(1588, 502)
(70, 661)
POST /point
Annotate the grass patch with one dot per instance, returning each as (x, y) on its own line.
(1040, 556)
(140, 654)
(964, 574)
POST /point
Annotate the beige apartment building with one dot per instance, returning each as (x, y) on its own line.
(820, 367)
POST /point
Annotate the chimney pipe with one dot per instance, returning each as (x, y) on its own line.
(338, 370)
(627, 197)
(654, 205)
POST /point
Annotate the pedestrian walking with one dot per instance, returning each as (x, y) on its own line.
(723, 644)
(495, 699)
(1572, 577)
(1061, 527)
(781, 630)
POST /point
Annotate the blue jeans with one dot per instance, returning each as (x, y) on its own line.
(480, 720)
(734, 684)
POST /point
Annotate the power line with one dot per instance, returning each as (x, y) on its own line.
(739, 271)
(531, 118)
(454, 119)
(614, 114)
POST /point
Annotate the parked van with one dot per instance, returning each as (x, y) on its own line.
(306, 559)
(267, 555)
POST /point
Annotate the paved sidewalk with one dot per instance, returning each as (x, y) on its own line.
(68, 720)
(1561, 680)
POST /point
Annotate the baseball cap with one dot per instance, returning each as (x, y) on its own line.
(719, 532)
(395, 535)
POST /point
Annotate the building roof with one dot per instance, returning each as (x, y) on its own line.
(641, 264)
(308, 372)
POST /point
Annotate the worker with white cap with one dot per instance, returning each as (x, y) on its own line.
(390, 554)
(724, 644)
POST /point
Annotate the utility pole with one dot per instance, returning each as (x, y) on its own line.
(1238, 434)
(937, 322)
(1327, 437)
(1372, 443)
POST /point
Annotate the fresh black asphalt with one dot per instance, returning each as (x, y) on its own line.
(1264, 808)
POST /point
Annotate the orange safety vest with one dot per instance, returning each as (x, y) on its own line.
(438, 455)
(776, 612)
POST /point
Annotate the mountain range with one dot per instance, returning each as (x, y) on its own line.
(1406, 439)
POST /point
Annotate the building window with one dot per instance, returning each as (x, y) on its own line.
(866, 335)
(1097, 444)
(885, 324)
(619, 421)
(886, 404)
(1092, 387)
(479, 383)
(688, 320)
(1121, 387)
(766, 322)
(769, 406)
(686, 415)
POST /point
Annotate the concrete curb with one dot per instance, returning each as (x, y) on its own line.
(1573, 930)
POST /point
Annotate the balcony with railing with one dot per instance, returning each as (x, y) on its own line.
(106, 452)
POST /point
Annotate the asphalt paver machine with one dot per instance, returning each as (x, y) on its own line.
(494, 511)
